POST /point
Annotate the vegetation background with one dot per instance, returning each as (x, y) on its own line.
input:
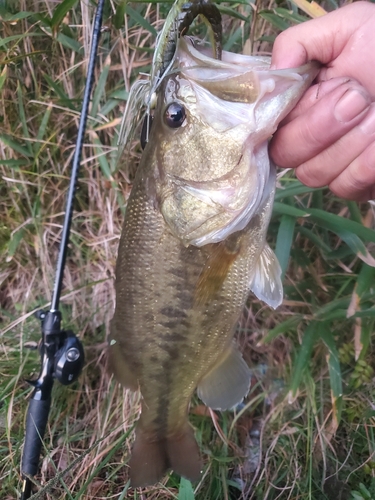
(306, 429)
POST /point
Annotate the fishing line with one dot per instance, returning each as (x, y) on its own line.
(62, 355)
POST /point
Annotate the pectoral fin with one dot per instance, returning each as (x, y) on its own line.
(266, 283)
(221, 257)
(227, 383)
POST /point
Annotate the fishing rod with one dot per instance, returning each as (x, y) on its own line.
(62, 355)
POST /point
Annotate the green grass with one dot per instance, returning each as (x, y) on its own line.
(307, 427)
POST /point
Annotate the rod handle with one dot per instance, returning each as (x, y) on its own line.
(36, 422)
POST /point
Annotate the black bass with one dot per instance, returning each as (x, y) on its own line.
(194, 245)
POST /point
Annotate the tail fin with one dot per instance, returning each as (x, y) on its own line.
(151, 459)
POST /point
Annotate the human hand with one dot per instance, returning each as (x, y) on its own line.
(330, 136)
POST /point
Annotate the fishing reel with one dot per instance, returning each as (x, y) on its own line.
(66, 356)
(69, 359)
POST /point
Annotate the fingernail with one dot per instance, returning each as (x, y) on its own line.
(368, 124)
(351, 104)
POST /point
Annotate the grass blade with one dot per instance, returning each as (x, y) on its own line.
(282, 328)
(23, 120)
(16, 146)
(335, 375)
(284, 241)
(100, 87)
(60, 12)
(310, 336)
(274, 19)
(328, 220)
(3, 76)
(140, 20)
(42, 129)
(185, 491)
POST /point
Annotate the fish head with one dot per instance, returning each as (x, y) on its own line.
(209, 139)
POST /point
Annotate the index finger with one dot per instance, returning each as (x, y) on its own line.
(322, 39)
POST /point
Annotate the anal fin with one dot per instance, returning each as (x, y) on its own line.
(227, 383)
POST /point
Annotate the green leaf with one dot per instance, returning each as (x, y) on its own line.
(139, 19)
(364, 490)
(339, 224)
(45, 20)
(365, 280)
(231, 12)
(120, 94)
(295, 189)
(69, 43)
(16, 146)
(100, 87)
(365, 313)
(60, 12)
(14, 163)
(14, 242)
(22, 117)
(357, 246)
(283, 208)
(124, 491)
(19, 37)
(118, 19)
(354, 211)
(369, 413)
(185, 491)
(314, 238)
(108, 106)
(42, 128)
(290, 15)
(357, 496)
(3, 76)
(310, 336)
(233, 39)
(106, 169)
(341, 303)
(274, 19)
(284, 241)
(59, 91)
(367, 329)
(282, 328)
(334, 368)
(333, 222)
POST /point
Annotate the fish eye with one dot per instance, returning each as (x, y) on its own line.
(174, 115)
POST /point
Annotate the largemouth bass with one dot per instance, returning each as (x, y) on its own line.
(194, 245)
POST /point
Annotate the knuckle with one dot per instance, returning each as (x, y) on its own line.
(309, 175)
